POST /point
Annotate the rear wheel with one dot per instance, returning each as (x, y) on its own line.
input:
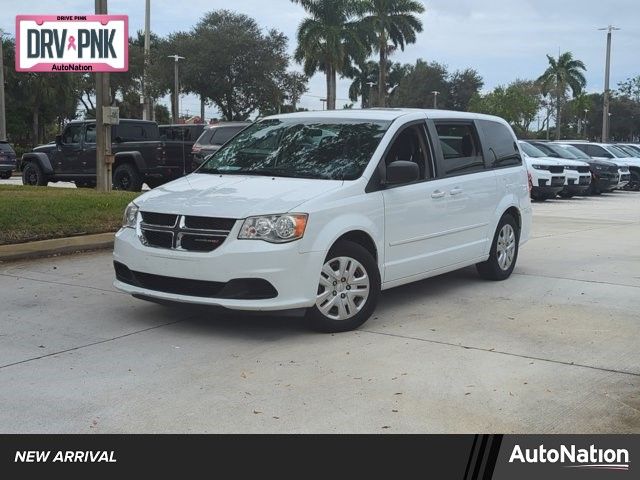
(127, 177)
(504, 251)
(348, 289)
(33, 175)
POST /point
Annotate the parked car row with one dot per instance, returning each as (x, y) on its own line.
(571, 167)
(7, 159)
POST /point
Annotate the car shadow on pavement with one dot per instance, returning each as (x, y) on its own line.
(271, 326)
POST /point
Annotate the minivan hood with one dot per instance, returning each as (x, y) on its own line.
(232, 196)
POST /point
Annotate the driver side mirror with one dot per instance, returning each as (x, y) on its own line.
(402, 171)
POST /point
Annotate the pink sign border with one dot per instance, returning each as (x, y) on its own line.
(97, 67)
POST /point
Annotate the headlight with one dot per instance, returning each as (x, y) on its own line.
(274, 228)
(130, 216)
(539, 167)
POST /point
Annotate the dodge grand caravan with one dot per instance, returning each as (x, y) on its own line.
(323, 210)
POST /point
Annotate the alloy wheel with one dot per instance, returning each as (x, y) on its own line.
(506, 246)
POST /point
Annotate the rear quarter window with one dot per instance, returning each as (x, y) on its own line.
(501, 145)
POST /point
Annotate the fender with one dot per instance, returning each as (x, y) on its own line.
(340, 222)
(138, 159)
(507, 202)
(39, 158)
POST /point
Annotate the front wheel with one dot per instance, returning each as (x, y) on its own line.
(348, 289)
(33, 175)
(504, 251)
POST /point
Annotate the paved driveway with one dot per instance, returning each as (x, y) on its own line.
(553, 349)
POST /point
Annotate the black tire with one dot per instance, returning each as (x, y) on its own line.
(5, 175)
(33, 175)
(126, 177)
(565, 194)
(491, 269)
(319, 321)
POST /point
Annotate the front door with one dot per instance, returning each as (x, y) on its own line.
(66, 160)
(414, 213)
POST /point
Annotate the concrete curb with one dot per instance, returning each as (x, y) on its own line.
(44, 248)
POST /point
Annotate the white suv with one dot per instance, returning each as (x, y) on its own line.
(547, 174)
(323, 210)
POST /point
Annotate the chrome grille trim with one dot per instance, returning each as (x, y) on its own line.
(179, 230)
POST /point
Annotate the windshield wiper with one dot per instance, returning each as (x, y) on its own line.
(281, 172)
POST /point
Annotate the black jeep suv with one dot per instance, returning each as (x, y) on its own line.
(140, 157)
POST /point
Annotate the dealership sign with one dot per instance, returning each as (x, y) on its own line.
(72, 43)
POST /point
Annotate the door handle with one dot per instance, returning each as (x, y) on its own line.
(437, 194)
(456, 191)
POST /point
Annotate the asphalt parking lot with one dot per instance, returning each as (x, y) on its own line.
(552, 349)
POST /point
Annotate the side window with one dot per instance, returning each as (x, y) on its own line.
(72, 134)
(410, 145)
(90, 133)
(460, 148)
(502, 146)
(224, 134)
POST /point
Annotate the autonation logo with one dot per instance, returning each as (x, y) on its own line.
(589, 458)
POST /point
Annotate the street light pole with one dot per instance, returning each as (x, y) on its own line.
(147, 112)
(3, 121)
(607, 70)
(435, 98)
(176, 85)
(584, 126)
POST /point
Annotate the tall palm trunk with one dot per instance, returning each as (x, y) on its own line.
(558, 114)
(202, 108)
(382, 72)
(331, 87)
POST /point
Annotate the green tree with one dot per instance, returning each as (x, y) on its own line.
(464, 84)
(518, 103)
(563, 73)
(231, 62)
(630, 88)
(423, 78)
(391, 24)
(329, 40)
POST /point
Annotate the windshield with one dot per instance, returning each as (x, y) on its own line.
(628, 150)
(617, 152)
(336, 149)
(576, 152)
(531, 151)
(548, 152)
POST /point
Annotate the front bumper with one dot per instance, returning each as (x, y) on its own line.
(294, 275)
(577, 184)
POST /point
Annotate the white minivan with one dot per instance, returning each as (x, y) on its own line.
(323, 210)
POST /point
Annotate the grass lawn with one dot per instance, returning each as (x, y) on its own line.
(39, 213)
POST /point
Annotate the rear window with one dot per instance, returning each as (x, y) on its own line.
(502, 146)
(224, 134)
(131, 132)
(205, 138)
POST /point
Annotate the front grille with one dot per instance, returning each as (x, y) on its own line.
(557, 181)
(583, 169)
(585, 180)
(184, 232)
(161, 219)
(237, 288)
(556, 169)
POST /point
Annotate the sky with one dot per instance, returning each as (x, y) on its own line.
(501, 39)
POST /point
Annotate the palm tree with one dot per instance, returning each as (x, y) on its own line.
(364, 77)
(329, 40)
(562, 74)
(390, 21)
